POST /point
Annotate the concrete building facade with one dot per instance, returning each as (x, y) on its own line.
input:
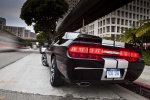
(21, 32)
(18, 31)
(2, 23)
(115, 23)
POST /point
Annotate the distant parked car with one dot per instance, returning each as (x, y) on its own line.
(85, 59)
(42, 49)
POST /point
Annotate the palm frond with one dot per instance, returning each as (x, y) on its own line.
(144, 21)
(143, 30)
(128, 35)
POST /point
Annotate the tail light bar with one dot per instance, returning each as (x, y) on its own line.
(89, 51)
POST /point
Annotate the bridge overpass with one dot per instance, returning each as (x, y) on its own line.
(89, 11)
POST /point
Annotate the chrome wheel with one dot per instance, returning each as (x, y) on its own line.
(52, 71)
(44, 59)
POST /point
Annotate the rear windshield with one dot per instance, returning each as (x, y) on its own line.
(72, 35)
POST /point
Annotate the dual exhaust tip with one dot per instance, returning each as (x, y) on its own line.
(83, 84)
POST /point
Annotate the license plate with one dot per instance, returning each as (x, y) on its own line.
(113, 73)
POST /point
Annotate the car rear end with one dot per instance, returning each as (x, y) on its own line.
(93, 60)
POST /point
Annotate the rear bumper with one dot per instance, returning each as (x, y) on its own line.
(95, 72)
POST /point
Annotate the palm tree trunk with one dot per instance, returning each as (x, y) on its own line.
(141, 43)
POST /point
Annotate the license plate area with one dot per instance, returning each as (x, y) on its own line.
(113, 73)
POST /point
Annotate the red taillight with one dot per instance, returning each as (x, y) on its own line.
(125, 53)
(135, 55)
(78, 49)
(95, 52)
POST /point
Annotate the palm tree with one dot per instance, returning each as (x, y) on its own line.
(144, 28)
(142, 32)
(129, 36)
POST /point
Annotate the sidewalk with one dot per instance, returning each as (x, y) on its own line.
(144, 79)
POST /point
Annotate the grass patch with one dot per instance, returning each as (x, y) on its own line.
(146, 57)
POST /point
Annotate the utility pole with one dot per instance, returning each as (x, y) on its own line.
(83, 27)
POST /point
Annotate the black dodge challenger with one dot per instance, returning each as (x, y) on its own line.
(85, 59)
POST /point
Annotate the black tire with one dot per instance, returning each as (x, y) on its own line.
(44, 60)
(55, 78)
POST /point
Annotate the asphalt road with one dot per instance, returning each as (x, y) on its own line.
(27, 79)
(7, 58)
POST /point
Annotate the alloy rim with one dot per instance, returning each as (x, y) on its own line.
(52, 71)
(44, 60)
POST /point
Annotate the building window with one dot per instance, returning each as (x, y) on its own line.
(141, 17)
(141, 3)
(118, 29)
(112, 28)
(133, 16)
(126, 22)
(108, 28)
(130, 15)
(144, 11)
(147, 11)
(100, 30)
(126, 14)
(130, 22)
(141, 10)
(113, 20)
(137, 17)
(134, 8)
(122, 21)
(130, 7)
(122, 13)
(103, 29)
(122, 29)
(137, 2)
(134, 23)
(137, 24)
(118, 12)
(104, 22)
(101, 23)
(108, 20)
(137, 9)
(118, 21)
(147, 4)
(144, 4)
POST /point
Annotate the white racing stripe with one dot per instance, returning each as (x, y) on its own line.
(111, 63)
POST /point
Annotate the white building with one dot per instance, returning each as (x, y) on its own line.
(21, 32)
(32, 35)
(18, 31)
(2, 23)
(118, 21)
(27, 34)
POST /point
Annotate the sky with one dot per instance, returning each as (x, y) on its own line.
(10, 10)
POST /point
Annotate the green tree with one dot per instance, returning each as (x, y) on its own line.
(41, 36)
(108, 38)
(144, 29)
(43, 14)
(129, 36)
(138, 35)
